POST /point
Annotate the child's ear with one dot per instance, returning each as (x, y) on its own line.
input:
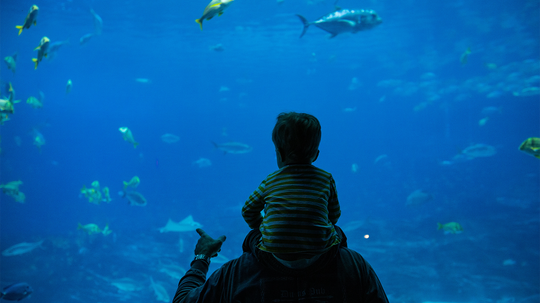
(279, 155)
(316, 156)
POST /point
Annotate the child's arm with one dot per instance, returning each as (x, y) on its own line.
(334, 211)
(253, 207)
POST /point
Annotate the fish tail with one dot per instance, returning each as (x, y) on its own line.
(439, 226)
(36, 61)
(306, 25)
(20, 27)
(80, 226)
(135, 144)
(200, 22)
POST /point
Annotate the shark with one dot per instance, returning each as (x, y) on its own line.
(185, 225)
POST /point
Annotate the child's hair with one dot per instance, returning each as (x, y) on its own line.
(297, 136)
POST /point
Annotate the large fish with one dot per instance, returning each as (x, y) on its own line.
(21, 248)
(185, 225)
(16, 292)
(233, 147)
(344, 21)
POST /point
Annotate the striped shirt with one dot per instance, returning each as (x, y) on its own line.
(301, 208)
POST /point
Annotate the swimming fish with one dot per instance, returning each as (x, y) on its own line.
(54, 47)
(34, 102)
(479, 150)
(93, 229)
(418, 197)
(11, 62)
(30, 19)
(202, 162)
(531, 146)
(344, 21)
(170, 138)
(21, 248)
(172, 270)
(133, 183)
(98, 23)
(86, 38)
(135, 198)
(6, 106)
(43, 50)
(216, 7)
(527, 91)
(450, 228)
(125, 284)
(160, 291)
(16, 291)
(39, 140)
(185, 225)
(233, 147)
(69, 85)
(12, 189)
(128, 136)
(465, 56)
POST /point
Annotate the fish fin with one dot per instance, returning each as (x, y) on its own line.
(220, 13)
(306, 24)
(216, 4)
(20, 27)
(135, 144)
(36, 61)
(537, 156)
(35, 22)
(439, 226)
(80, 226)
(200, 22)
(333, 35)
(350, 22)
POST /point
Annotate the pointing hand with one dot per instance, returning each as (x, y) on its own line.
(208, 246)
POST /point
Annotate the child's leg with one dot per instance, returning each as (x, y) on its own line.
(341, 234)
(251, 240)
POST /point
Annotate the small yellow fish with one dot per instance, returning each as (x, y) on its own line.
(43, 50)
(3, 118)
(69, 85)
(134, 182)
(106, 194)
(128, 136)
(93, 229)
(465, 56)
(30, 19)
(6, 107)
(215, 7)
(11, 62)
(93, 194)
(34, 102)
(450, 228)
(531, 146)
(39, 140)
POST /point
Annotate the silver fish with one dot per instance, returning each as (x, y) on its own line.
(233, 147)
(418, 197)
(344, 21)
(135, 198)
(21, 248)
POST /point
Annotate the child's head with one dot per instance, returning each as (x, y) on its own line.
(297, 137)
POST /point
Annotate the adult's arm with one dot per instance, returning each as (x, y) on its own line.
(191, 283)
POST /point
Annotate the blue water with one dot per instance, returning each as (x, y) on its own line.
(397, 90)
